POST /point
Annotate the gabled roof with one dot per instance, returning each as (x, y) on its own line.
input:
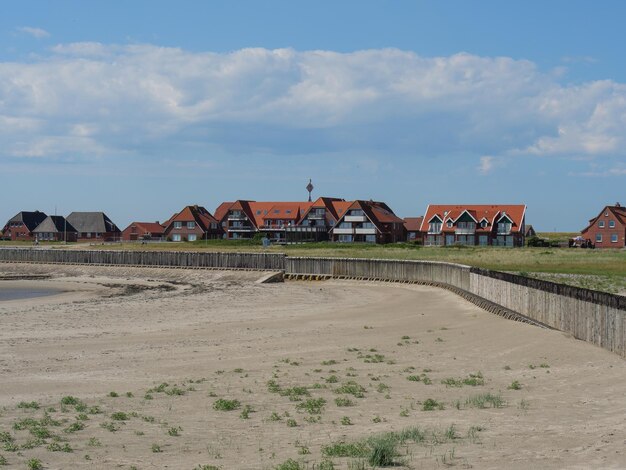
(91, 222)
(413, 224)
(148, 227)
(327, 203)
(29, 219)
(618, 211)
(222, 210)
(340, 208)
(516, 212)
(197, 214)
(55, 224)
(377, 212)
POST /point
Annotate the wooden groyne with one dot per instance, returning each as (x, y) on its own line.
(596, 317)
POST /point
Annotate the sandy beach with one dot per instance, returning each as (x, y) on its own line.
(135, 368)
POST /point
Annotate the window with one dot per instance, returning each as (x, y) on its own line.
(434, 227)
(192, 238)
(287, 212)
(449, 223)
(601, 224)
(598, 238)
(504, 227)
(178, 225)
(356, 212)
(611, 224)
(258, 212)
(614, 238)
(370, 238)
(191, 225)
(482, 240)
(176, 237)
(213, 225)
(483, 223)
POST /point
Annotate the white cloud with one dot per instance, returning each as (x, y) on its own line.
(34, 32)
(486, 165)
(95, 99)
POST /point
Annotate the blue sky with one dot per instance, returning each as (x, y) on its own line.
(139, 108)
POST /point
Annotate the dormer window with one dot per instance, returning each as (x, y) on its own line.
(449, 224)
(483, 224)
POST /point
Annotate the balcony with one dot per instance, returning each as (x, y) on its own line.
(365, 231)
(315, 216)
(355, 218)
(306, 228)
(243, 228)
(343, 231)
(237, 217)
(465, 231)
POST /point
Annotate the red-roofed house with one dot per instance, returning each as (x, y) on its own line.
(608, 229)
(483, 225)
(413, 227)
(143, 231)
(191, 224)
(370, 222)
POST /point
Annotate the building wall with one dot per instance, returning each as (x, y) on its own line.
(606, 232)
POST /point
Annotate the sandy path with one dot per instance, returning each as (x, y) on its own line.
(213, 335)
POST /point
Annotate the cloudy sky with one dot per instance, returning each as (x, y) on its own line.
(139, 108)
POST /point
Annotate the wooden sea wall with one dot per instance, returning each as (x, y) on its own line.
(179, 259)
(596, 317)
(434, 272)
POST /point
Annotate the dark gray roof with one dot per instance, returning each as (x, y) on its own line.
(92, 222)
(54, 224)
(30, 219)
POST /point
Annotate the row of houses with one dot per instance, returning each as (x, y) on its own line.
(325, 219)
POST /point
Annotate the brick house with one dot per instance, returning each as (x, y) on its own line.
(369, 222)
(243, 219)
(317, 220)
(481, 225)
(143, 231)
(412, 226)
(55, 228)
(94, 227)
(191, 224)
(20, 227)
(608, 228)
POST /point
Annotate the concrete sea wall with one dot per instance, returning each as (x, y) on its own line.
(596, 317)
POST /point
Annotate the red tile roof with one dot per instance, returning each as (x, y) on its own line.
(413, 224)
(491, 212)
(148, 227)
(197, 214)
(618, 211)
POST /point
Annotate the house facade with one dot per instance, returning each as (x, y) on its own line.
(20, 227)
(143, 231)
(608, 228)
(191, 224)
(368, 222)
(412, 227)
(475, 225)
(317, 220)
(94, 227)
(55, 228)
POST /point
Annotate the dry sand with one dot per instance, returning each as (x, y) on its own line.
(219, 335)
